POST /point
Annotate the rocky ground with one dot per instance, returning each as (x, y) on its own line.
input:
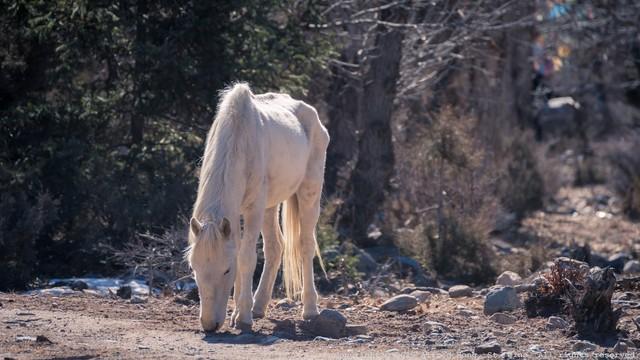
(392, 323)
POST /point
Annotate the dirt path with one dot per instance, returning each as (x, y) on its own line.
(85, 327)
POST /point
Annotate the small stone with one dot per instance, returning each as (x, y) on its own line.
(502, 318)
(399, 303)
(285, 304)
(21, 338)
(466, 313)
(584, 346)
(524, 288)
(356, 329)
(460, 291)
(621, 347)
(43, 339)
(509, 278)
(78, 285)
(323, 338)
(491, 347)
(137, 299)
(556, 323)
(501, 299)
(434, 326)
(330, 323)
(537, 349)
(421, 295)
(632, 267)
(124, 292)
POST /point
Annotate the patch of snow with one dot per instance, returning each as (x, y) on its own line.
(97, 286)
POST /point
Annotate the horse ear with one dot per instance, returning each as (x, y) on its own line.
(225, 227)
(196, 226)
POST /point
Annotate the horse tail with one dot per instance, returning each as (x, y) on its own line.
(292, 255)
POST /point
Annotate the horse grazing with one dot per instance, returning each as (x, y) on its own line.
(262, 151)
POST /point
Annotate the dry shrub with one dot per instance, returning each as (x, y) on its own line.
(159, 258)
(560, 277)
(625, 161)
(445, 183)
(521, 188)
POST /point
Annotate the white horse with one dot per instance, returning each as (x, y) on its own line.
(262, 151)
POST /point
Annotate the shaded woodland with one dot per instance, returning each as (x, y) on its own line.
(450, 122)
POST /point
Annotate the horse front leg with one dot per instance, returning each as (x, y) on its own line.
(246, 265)
(272, 241)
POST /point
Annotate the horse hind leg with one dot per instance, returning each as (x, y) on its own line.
(272, 239)
(309, 207)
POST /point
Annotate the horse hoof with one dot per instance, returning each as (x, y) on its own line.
(243, 327)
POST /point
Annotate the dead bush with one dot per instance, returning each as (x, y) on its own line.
(446, 186)
(521, 188)
(625, 161)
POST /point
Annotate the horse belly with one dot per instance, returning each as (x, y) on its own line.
(287, 162)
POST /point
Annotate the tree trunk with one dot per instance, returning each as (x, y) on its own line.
(137, 119)
(375, 163)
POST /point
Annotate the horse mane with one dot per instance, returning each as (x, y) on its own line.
(222, 145)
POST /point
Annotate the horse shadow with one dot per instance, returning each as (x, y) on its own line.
(282, 330)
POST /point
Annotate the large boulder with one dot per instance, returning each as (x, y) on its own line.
(501, 298)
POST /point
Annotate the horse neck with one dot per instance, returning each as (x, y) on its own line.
(222, 187)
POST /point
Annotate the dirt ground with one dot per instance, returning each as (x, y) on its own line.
(85, 326)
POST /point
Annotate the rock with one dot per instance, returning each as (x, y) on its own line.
(366, 263)
(621, 347)
(78, 285)
(524, 288)
(285, 303)
(124, 292)
(421, 296)
(584, 346)
(502, 318)
(460, 291)
(631, 267)
(556, 323)
(137, 299)
(434, 326)
(356, 329)
(501, 299)
(330, 323)
(509, 278)
(399, 303)
(491, 347)
(617, 261)
(43, 339)
(536, 349)
(330, 254)
(466, 313)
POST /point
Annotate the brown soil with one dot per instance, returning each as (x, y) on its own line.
(84, 326)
